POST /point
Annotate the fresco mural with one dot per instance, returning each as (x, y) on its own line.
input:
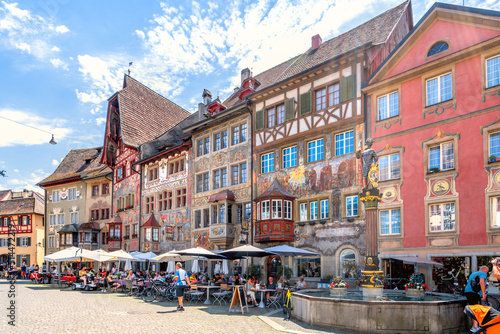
(311, 179)
(201, 239)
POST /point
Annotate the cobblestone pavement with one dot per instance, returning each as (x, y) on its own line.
(46, 309)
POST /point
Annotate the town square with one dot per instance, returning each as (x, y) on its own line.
(254, 167)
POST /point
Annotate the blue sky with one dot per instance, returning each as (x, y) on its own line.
(61, 60)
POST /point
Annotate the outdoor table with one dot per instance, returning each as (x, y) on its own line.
(261, 304)
(208, 287)
(68, 278)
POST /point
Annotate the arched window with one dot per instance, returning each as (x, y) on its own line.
(348, 264)
(437, 48)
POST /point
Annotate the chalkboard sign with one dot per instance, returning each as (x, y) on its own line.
(239, 297)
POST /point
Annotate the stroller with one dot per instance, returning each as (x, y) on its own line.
(487, 317)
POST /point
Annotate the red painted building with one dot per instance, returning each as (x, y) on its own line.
(433, 110)
(136, 115)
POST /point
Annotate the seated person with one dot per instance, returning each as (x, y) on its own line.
(157, 276)
(272, 286)
(130, 275)
(54, 272)
(301, 284)
(111, 282)
(82, 276)
(222, 280)
(237, 280)
(193, 279)
(138, 274)
(250, 286)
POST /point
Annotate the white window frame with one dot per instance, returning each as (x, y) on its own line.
(489, 144)
(441, 155)
(497, 79)
(324, 214)
(60, 219)
(303, 211)
(351, 213)
(439, 92)
(287, 209)
(441, 226)
(292, 156)
(386, 113)
(72, 218)
(72, 194)
(270, 162)
(394, 228)
(266, 210)
(52, 241)
(313, 210)
(277, 209)
(318, 156)
(495, 211)
(390, 172)
(23, 242)
(241, 138)
(56, 196)
(52, 220)
(343, 141)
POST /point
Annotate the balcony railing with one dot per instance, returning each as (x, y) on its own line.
(19, 229)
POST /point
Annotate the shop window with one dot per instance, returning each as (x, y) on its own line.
(439, 89)
(348, 264)
(390, 222)
(388, 106)
(441, 157)
(308, 267)
(389, 167)
(290, 157)
(442, 217)
(267, 163)
(344, 143)
(493, 72)
(315, 150)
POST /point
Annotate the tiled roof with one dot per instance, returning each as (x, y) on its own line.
(374, 32)
(70, 228)
(151, 222)
(21, 206)
(275, 190)
(89, 226)
(145, 114)
(79, 164)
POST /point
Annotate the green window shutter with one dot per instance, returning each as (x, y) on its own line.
(29, 241)
(347, 88)
(305, 103)
(259, 120)
(18, 241)
(289, 109)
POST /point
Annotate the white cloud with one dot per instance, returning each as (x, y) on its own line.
(28, 181)
(16, 170)
(55, 162)
(17, 134)
(20, 30)
(58, 63)
(100, 120)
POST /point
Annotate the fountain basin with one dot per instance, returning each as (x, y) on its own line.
(392, 313)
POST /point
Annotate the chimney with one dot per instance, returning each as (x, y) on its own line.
(207, 97)
(316, 42)
(245, 74)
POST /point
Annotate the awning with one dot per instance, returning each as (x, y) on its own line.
(221, 196)
(417, 260)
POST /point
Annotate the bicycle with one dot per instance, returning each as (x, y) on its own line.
(152, 293)
(288, 306)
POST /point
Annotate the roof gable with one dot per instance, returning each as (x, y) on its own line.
(460, 27)
(145, 114)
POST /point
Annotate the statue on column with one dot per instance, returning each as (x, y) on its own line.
(369, 160)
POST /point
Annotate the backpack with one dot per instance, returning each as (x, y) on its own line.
(475, 284)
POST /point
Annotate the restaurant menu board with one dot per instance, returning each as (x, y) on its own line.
(239, 297)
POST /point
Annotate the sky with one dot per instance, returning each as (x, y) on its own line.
(60, 60)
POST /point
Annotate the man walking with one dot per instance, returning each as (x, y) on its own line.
(181, 280)
(475, 298)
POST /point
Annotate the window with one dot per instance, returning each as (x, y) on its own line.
(439, 89)
(239, 134)
(495, 144)
(165, 200)
(220, 178)
(280, 114)
(265, 210)
(217, 142)
(176, 166)
(156, 234)
(52, 220)
(222, 213)
(495, 211)
(220, 140)
(267, 163)
(73, 217)
(437, 48)
(147, 237)
(390, 222)
(95, 190)
(351, 203)
(197, 219)
(69, 239)
(321, 99)
(206, 218)
(239, 174)
(105, 213)
(153, 173)
(303, 212)
(348, 264)
(271, 118)
(202, 181)
(308, 267)
(389, 167)
(344, 143)
(290, 157)
(150, 204)
(181, 195)
(60, 219)
(276, 209)
(313, 210)
(105, 189)
(333, 95)
(442, 157)
(315, 150)
(388, 106)
(24, 241)
(24, 220)
(324, 213)
(493, 72)
(136, 230)
(442, 217)
(71, 194)
(203, 146)
(56, 196)
(4, 242)
(52, 243)
(287, 209)
(120, 173)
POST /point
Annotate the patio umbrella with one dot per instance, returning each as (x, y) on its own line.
(171, 256)
(121, 255)
(128, 265)
(196, 267)
(171, 266)
(136, 257)
(198, 252)
(225, 267)
(285, 250)
(246, 250)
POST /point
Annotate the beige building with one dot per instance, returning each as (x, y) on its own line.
(25, 212)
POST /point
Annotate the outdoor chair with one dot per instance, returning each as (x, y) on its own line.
(222, 295)
(196, 295)
(129, 286)
(276, 300)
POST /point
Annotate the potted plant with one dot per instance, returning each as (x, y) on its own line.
(434, 170)
(253, 270)
(288, 273)
(493, 158)
(415, 286)
(326, 279)
(338, 287)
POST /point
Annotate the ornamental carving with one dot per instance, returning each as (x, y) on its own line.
(241, 194)
(200, 201)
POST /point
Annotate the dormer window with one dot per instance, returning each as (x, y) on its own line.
(437, 48)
